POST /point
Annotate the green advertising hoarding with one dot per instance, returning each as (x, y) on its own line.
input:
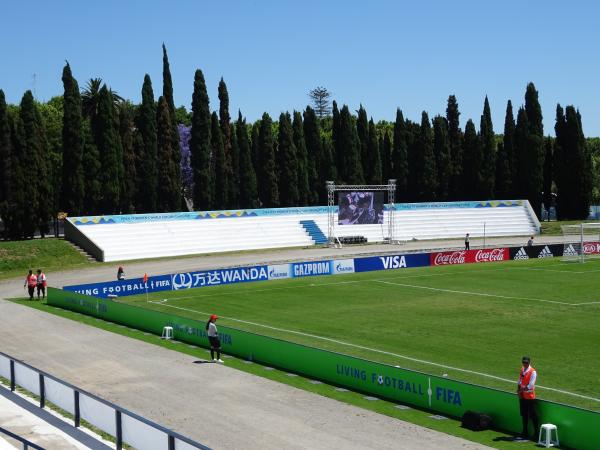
(578, 428)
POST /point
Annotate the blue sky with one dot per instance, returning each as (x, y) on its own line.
(383, 54)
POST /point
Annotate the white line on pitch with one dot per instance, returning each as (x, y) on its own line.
(375, 350)
(474, 293)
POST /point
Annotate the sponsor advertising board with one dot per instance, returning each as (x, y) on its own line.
(469, 256)
(536, 252)
(388, 262)
(177, 281)
(591, 248)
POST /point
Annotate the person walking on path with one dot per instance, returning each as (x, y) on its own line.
(213, 338)
(526, 392)
(41, 284)
(30, 283)
(120, 273)
(467, 246)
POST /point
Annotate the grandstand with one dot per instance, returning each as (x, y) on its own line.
(126, 237)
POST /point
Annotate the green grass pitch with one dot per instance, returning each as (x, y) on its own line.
(472, 322)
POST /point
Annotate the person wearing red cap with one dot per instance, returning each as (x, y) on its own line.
(213, 338)
(526, 392)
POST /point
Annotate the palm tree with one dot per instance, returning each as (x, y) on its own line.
(90, 98)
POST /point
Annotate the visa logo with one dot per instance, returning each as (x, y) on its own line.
(393, 262)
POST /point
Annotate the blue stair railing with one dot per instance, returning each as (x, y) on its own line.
(314, 231)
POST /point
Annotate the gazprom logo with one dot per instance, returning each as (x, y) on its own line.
(343, 266)
(181, 281)
(279, 271)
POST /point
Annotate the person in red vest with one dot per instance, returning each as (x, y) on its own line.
(41, 283)
(31, 283)
(526, 392)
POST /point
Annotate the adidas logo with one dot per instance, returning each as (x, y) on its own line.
(545, 253)
(570, 251)
(521, 254)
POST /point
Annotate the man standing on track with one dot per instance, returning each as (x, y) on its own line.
(467, 245)
(526, 392)
(213, 337)
(31, 283)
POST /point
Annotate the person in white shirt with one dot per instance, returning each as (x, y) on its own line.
(213, 338)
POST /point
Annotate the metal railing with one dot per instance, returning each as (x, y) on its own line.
(26, 444)
(125, 426)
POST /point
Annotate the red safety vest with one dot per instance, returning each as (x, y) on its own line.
(524, 377)
(31, 280)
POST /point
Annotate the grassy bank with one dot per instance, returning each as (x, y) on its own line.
(50, 254)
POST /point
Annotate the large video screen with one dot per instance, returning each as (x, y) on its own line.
(359, 208)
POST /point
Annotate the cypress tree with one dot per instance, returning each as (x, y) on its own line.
(373, 156)
(510, 171)
(521, 160)
(128, 182)
(175, 163)
(385, 145)
(168, 192)
(146, 123)
(16, 201)
(248, 188)
(225, 124)
(304, 190)
(562, 171)
(328, 155)
(362, 130)
(454, 140)
(575, 181)
(547, 185)
(288, 162)
(46, 206)
(472, 163)
(91, 164)
(72, 193)
(413, 131)
(338, 150)
(220, 177)
(6, 172)
(425, 162)
(441, 149)
(319, 167)
(488, 153)
(268, 190)
(349, 143)
(30, 154)
(200, 145)
(400, 157)
(535, 148)
(106, 141)
(584, 167)
(234, 184)
(5, 150)
(503, 176)
(255, 150)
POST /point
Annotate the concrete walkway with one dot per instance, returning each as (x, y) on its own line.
(213, 404)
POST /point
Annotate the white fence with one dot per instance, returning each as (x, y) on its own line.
(124, 426)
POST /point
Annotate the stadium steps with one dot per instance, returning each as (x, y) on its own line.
(89, 257)
(314, 231)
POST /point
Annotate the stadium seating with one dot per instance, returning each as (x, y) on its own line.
(300, 228)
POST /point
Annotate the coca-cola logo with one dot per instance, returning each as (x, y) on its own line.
(591, 247)
(450, 258)
(491, 255)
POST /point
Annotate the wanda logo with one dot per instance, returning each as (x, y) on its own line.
(591, 248)
(450, 258)
(491, 255)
